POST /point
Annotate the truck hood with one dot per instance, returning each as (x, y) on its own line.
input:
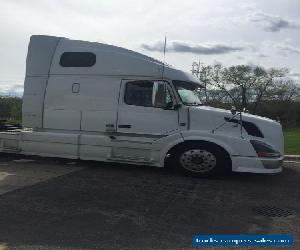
(209, 119)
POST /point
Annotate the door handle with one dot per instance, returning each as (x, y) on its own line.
(124, 126)
(110, 128)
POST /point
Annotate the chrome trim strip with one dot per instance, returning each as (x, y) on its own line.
(82, 132)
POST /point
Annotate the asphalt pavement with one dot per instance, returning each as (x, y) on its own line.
(59, 204)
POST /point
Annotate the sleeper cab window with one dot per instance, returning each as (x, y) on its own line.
(148, 94)
(77, 59)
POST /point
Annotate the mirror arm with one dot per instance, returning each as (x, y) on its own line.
(177, 106)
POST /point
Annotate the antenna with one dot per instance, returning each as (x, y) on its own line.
(165, 45)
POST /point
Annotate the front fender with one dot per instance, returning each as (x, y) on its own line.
(192, 137)
(234, 145)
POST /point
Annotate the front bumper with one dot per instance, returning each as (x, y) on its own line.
(257, 165)
(272, 163)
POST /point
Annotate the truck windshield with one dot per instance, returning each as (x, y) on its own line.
(188, 92)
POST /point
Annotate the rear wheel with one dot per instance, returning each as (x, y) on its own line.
(201, 159)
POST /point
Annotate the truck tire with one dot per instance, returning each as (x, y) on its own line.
(201, 160)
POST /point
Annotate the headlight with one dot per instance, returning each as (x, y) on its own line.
(264, 150)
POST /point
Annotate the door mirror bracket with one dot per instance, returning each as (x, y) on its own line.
(177, 106)
(169, 105)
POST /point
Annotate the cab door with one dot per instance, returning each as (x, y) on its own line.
(146, 113)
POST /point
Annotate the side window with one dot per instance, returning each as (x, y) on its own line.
(139, 93)
(161, 97)
(77, 59)
(148, 94)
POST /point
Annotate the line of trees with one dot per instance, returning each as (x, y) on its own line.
(11, 108)
(266, 92)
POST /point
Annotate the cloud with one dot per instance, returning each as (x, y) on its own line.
(262, 55)
(288, 48)
(295, 76)
(247, 6)
(11, 89)
(185, 47)
(272, 23)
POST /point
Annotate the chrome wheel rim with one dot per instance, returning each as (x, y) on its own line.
(198, 160)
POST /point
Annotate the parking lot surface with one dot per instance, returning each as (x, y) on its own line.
(58, 204)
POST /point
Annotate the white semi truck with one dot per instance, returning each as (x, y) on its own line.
(92, 101)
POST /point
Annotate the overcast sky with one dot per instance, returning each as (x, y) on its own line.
(265, 32)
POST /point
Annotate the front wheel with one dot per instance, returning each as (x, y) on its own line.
(201, 160)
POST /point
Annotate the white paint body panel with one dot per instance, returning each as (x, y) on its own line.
(207, 118)
(49, 144)
(89, 110)
(43, 58)
(86, 121)
(33, 98)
